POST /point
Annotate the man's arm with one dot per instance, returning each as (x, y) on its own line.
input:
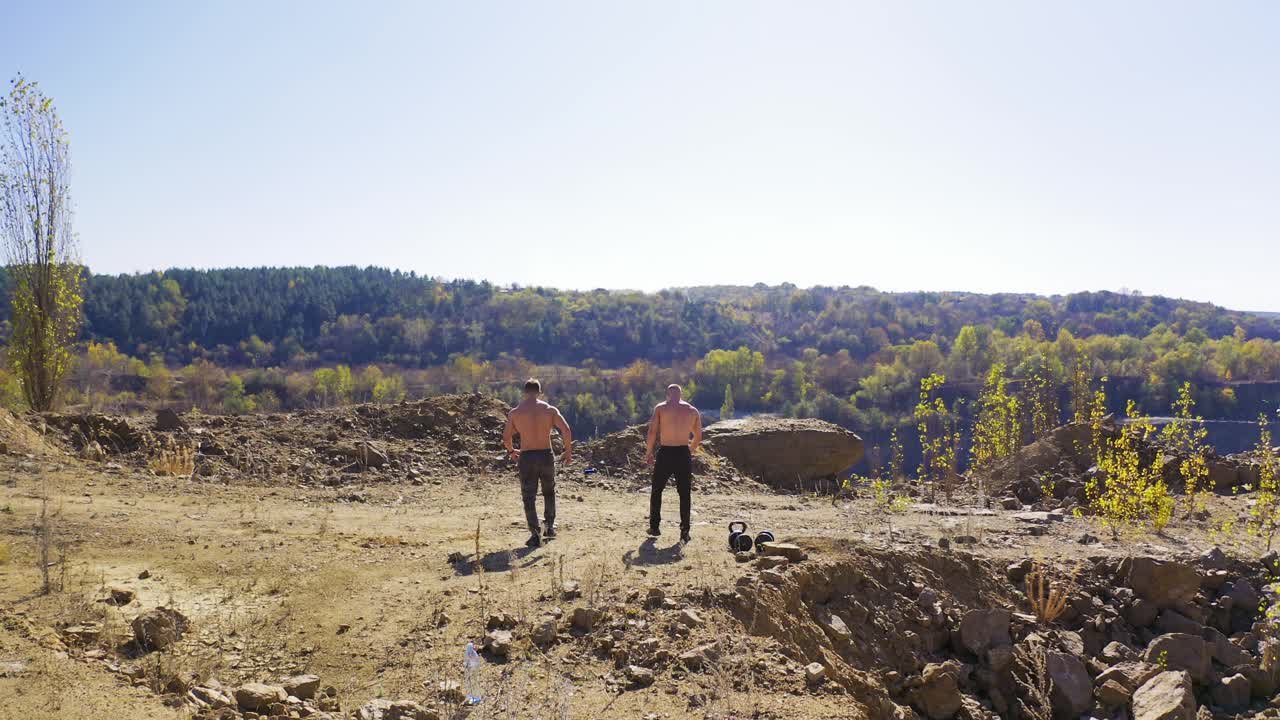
(508, 434)
(652, 438)
(697, 430)
(565, 434)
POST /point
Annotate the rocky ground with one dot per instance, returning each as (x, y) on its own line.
(309, 581)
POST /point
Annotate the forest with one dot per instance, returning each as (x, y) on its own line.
(278, 339)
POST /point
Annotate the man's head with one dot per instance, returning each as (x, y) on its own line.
(673, 393)
(532, 388)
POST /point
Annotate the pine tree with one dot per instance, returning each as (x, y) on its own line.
(726, 409)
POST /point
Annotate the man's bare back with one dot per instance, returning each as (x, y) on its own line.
(675, 423)
(533, 421)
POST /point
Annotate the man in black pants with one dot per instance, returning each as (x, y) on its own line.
(677, 426)
(533, 420)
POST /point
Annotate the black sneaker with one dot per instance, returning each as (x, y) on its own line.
(654, 531)
(534, 540)
(549, 533)
(684, 536)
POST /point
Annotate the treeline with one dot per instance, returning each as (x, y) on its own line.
(283, 339)
(264, 317)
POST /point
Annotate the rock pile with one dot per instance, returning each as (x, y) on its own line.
(1142, 637)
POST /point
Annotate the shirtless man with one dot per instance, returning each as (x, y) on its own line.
(677, 427)
(532, 420)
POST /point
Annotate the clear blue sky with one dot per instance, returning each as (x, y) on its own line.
(986, 146)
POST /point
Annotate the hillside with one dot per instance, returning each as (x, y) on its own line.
(361, 315)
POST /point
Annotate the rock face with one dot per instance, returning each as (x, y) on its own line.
(1166, 696)
(785, 453)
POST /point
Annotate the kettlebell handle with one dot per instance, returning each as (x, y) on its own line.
(739, 524)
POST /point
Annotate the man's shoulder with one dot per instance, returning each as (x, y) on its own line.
(687, 407)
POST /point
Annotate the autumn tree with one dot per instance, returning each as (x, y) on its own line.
(40, 247)
(997, 432)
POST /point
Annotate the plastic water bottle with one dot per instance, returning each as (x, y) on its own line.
(471, 662)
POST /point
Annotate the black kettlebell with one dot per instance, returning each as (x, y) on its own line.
(739, 540)
(764, 537)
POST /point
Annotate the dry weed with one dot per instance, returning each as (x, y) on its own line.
(175, 460)
(1048, 599)
(1038, 704)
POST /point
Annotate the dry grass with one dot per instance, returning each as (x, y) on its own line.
(1048, 599)
(177, 461)
(5, 554)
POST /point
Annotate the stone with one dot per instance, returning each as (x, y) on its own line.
(159, 629)
(585, 618)
(167, 421)
(1167, 696)
(690, 618)
(258, 697)
(1172, 621)
(544, 633)
(938, 695)
(773, 577)
(498, 642)
(834, 625)
(785, 453)
(1164, 582)
(1010, 503)
(381, 709)
(571, 590)
(639, 676)
(1179, 651)
(770, 562)
(697, 658)
(983, 629)
(1224, 651)
(999, 658)
(120, 596)
(1141, 612)
(1071, 689)
(1129, 674)
(791, 552)
(815, 674)
(655, 598)
(1115, 652)
(1232, 693)
(214, 697)
(370, 455)
(303, 687)
(1243, 596)
(1113, 694)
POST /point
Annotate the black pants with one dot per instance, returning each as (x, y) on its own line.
(677, 461)
(538, 466)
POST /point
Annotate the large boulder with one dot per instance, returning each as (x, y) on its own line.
(785, 453)
(1179, 651)
(1071, 689)
(1166, 696)
(257, 697)
(1165, 583)
(938, 695)
(983, 629)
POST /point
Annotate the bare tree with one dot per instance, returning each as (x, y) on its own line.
(40, 248)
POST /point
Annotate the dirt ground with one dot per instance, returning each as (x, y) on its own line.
(376, 590)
